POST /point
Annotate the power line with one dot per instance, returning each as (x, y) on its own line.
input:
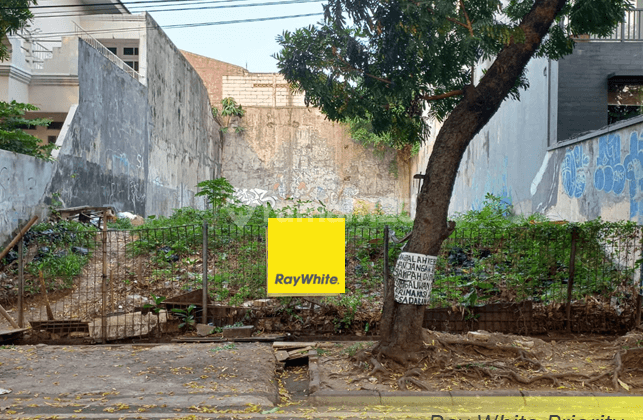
(126, 4)
(177, 26)
(278, 3)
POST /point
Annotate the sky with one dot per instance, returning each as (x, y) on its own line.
(249, 45)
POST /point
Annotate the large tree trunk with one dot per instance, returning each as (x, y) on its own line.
(401, 323)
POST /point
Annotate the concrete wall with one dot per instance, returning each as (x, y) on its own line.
(104, 157)
(601, 174)
(293, 152)
(583, 77)
(185, 146)
(509, 158)
(23, 185)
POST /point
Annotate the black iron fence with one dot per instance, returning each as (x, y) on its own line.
(120, 284)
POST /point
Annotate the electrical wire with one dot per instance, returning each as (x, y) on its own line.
(278, 3)
(124, 3)
(43, 36)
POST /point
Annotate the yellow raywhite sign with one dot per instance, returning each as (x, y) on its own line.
(305, 257)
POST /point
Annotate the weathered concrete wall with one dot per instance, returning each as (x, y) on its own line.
(601, 174)
(23, 185)
(185, 146)
(293, 152)
(212, 72)
(509, 158)
(104, 157)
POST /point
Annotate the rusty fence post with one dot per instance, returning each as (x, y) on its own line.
(204, 317)
(385, 258)
(104, 281)
(21, 284)
(570, 281)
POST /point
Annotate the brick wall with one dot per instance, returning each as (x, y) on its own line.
(212, 72)
(260, 89)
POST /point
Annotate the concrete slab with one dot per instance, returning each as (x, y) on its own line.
(106, 377)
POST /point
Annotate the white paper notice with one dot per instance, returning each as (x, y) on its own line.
(413, 278)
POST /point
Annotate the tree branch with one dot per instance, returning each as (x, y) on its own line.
(466, 16)
(443, 95)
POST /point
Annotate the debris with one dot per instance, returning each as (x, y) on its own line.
(203, 330)
(4, 391)
(479, 335)
(245, 331)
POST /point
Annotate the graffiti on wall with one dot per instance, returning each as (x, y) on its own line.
(573, 171)
(616, 164)
(254, 196)
(633, 164)
(609, 175)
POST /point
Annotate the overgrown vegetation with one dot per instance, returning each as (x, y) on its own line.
(493, 256)
(229, 109)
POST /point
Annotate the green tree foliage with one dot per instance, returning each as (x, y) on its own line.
(388, 61)
(14, 139)
(14, 15)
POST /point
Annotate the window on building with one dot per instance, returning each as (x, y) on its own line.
(51, 139)
(132, 64)
(114, 50)
(624, 98)
(55, 125)
(130, 51)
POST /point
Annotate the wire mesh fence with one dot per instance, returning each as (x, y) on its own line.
(122, 284)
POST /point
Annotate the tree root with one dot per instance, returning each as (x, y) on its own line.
(377, 368)
(448, 343)
(409, 376)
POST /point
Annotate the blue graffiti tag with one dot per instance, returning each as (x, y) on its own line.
(609, 174)
(573, 174)
(633, 164)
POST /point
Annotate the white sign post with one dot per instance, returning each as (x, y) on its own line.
(413, 278)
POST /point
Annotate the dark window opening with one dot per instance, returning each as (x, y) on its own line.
(55, 125)
(130, 51)
(624, 98)
(26, 127)
(114, 50)
(51, 139)
(132, 64)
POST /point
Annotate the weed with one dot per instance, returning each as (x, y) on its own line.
(186, 316)
(230, 346)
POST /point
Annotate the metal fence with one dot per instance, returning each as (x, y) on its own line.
(123, 284)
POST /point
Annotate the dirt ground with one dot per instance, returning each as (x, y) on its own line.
(492, 361)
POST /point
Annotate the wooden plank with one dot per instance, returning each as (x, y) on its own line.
(291, 345)
(9, 318)
(299, 353)
(282, 355)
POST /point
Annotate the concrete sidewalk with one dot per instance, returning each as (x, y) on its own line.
(59, 380)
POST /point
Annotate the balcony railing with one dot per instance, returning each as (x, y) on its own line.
(631, 29)
(80, 32)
